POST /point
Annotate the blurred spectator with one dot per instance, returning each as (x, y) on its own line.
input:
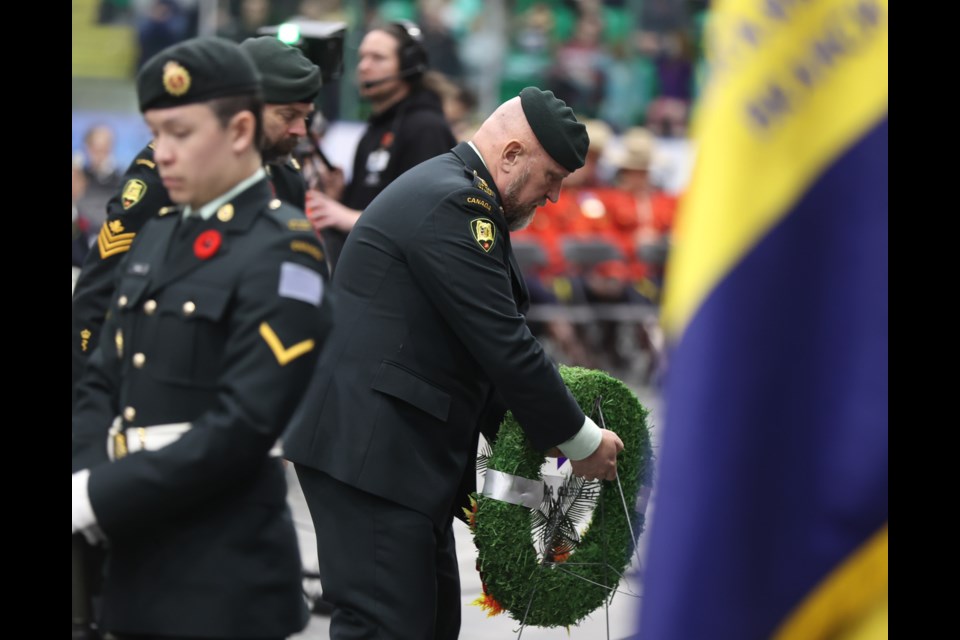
(631, 81)
(655, 209)
(249, 17)
(459, 107)
(161, 24)
(534, 30)
(438, 40)
(590, 174)
(668, 113)
(81, 225)
(577, 76)
(101, 173)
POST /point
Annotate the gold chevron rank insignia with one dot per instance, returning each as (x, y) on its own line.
(281, 353)
(484, 232)
(112, 239)
(132, 193)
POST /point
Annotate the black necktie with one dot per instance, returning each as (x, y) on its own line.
(188, 225)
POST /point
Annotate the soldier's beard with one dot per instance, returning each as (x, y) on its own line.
(280, 149)
(517, 214)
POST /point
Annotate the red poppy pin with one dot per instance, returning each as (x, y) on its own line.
(207, 244)
(386, 140)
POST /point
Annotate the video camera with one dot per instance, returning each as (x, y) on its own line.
(321, 43)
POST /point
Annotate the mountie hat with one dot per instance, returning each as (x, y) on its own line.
(287, 75)
(556, 127)
(196, 70)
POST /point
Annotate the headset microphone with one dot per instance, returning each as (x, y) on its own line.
(403, 74)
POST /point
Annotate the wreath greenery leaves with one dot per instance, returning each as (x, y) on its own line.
(583, 572)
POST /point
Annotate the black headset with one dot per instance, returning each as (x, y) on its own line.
(413, 56)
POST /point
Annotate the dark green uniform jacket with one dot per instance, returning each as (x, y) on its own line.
(427, 322)
(221, 329)
(138, 200)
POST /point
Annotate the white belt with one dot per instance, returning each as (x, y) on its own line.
(122, 442)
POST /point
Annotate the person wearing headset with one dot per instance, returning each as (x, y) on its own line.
(406, 127)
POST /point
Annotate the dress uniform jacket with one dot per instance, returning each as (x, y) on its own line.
(139, 199)
(141, 196)
(427, 327)
(221, 329)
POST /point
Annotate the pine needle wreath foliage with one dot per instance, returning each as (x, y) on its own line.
(561, 594)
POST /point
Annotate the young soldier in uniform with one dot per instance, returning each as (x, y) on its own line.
(428, 327)
(290, 84)
(217, 320)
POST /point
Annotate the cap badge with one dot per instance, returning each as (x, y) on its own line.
(176, 79)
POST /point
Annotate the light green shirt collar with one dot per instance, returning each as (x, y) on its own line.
(211, 207)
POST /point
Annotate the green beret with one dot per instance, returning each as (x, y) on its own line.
(560, 134)
(196, 70)
(287, 75)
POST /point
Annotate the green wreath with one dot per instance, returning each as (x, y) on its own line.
(555, 594)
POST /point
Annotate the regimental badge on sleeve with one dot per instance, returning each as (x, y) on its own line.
(484, 232)
(133, 192)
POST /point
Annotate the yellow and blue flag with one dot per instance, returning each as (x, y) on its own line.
(771, 511)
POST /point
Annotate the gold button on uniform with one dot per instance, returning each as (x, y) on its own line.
(149, 307)
(189, 307)
(225, 213)
(139, 360)
(274, 204)
(129, 414)
(122, 301)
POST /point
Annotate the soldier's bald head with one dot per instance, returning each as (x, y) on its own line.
(507, 123)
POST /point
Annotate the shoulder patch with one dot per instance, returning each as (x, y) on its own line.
(300, 283)
(147, 163)
(133, 192)
(484, 232)
(299, 224)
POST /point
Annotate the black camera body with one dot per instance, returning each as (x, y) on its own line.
(321, 42)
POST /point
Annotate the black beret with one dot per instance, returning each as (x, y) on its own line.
(196, 70)
(287, 75)
(560, 134)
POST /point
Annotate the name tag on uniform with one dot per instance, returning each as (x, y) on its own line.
(300, 283)
(377, 161)
(139, 268)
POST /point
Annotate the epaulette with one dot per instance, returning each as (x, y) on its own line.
(480, 183)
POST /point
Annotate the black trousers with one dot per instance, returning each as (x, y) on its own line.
(387, 570)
